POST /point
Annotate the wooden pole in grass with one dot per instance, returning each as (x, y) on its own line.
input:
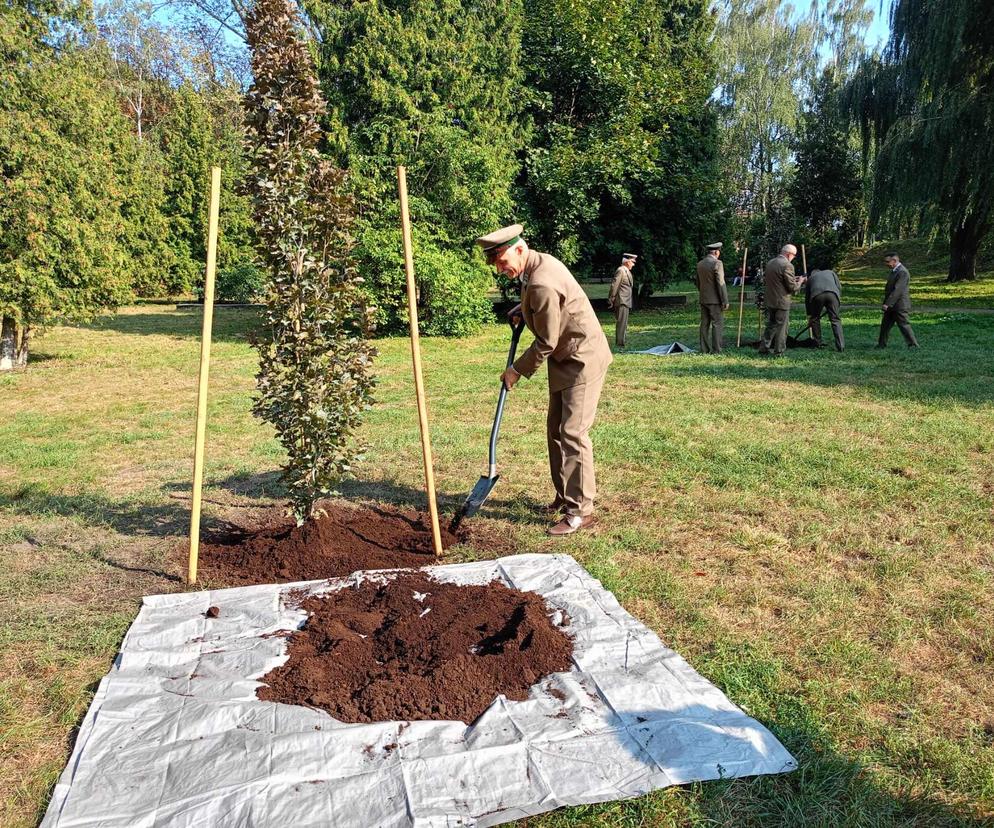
(742, 294)
(205, 366)
(412, 311)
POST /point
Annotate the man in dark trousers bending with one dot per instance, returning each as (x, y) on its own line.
(897, 303)
(822, 294)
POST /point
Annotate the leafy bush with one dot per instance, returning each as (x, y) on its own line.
(239, 283)
(452, 285)
(315, 368)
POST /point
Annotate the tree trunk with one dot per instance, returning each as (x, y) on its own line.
(21, 356)
(964, 242)
(8, 344)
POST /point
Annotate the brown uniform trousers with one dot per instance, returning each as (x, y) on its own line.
(714, 297)
(568, 335)
(779, 283)
(620, 299)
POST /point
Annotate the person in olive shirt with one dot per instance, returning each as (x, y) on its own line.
(569, 336)
(897, 303)
(779, 284)
(619, 298)
(710, 282)
(822, 295)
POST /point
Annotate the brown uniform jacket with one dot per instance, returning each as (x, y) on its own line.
(621, 288)
(567, 333)
(897, 294)
(711, 281)
(780, 283)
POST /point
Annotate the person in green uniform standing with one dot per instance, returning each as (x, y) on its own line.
(779, 283)
(714, 299)
(619, 298)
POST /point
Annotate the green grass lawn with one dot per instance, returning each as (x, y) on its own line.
(814, 534)
(864, 276)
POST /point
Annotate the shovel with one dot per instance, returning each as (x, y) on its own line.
(485, 485)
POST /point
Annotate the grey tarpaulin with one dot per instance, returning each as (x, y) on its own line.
(175, 735)
(667, 350)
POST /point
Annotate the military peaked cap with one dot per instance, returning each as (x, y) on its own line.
(506, 235)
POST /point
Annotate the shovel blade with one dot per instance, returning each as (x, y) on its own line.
(477, 497)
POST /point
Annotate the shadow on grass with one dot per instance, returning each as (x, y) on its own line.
(126, 517)
(952, 363)
(267, 489)
(231, 324)
(829, 788)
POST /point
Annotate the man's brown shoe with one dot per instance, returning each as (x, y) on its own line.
(553, 508)
(570, 524)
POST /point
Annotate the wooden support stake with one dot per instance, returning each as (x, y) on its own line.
(742, 293)
(804, 260)
(412, 309)
(205, 366)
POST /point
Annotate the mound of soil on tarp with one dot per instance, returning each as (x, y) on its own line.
(416, 648)
(341, 541)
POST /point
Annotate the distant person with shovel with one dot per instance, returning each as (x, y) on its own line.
(568, 335)
(822, 295)
(619, 298)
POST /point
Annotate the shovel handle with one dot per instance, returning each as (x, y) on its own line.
(515, 336)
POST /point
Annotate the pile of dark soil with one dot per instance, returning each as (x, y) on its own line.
(343, 540)
(416, 648)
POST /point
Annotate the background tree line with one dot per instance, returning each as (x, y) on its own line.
(588, 121)
(602, 125)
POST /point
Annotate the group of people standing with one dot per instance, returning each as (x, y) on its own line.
(569, 337)
(822, 297)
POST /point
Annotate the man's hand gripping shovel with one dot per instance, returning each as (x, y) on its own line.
(485, 485)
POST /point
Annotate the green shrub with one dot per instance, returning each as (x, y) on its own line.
(315, 364)
(239, 283)
(452, 285)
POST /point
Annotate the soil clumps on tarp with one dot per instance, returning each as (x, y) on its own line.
(416, 648)
(341, 541)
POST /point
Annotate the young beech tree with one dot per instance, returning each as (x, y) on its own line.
(315, 376)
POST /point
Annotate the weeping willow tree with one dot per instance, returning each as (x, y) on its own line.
(926, 110)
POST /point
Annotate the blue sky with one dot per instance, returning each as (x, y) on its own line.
(879, 30)
(877, 35)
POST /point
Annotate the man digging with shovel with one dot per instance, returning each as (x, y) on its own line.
(567, 333)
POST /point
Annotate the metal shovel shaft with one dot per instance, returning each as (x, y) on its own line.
(481, 491)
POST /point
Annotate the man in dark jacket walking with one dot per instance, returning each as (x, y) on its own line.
(822, 295)
(897, 303)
